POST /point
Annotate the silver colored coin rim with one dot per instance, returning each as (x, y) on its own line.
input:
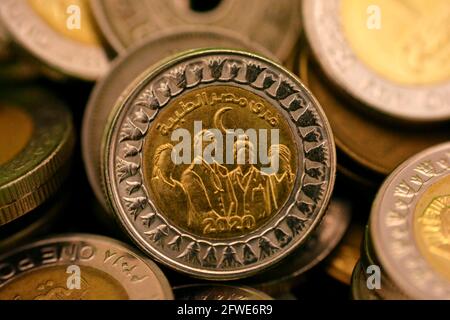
(97, 241)
(323, 29)
(97, 112)
(406, 271)
(328, 235)
(215, 274)
(60, 53)
(287, 43)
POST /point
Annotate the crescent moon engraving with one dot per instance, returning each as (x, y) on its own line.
(218, 118)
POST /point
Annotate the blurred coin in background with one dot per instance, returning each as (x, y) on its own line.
(127, 68)
(36, 144)
(58, 33)
(275, 25)
(377, 145)
(409, 225)
(80, 267)
(391, 55)
(214, 226)
(218, 292)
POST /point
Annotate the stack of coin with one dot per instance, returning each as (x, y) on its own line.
(408, 233)
(36, 143)
(391, 88)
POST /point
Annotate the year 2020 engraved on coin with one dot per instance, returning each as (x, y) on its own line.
(219, 163)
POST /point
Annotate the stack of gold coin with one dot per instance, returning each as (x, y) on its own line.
(408, 233)
(36, 143)
(386, 81)
(80, 267)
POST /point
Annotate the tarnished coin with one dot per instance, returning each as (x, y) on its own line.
(60, 33)
(409, 225)
(218, 292)
(390, 144)
(36, 143)
(80, 267)
(283, 277)
(218, 163)
(275, 25)
(391, 55)
(126, 68)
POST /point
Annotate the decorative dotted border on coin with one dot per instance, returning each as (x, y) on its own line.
(315, 181)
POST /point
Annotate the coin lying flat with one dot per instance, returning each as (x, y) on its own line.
(60, 33)
(389, 144)
(218, 292)
(80, 267)
(204, 209)
(391, 55)
(409, 225)
(283, 277)
(36, 142)
(274, 25)
(126, 68)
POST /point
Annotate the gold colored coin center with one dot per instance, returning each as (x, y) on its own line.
(50, 283)
(16, 128)
(405, 41)
(71, 18)
(432, 226)
(230, 193)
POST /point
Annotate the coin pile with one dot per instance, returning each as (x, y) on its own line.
(233, 147)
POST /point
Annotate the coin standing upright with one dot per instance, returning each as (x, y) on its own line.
(203, 216)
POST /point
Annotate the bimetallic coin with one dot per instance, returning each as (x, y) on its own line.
(275, 25)
(128, 67)
(218, 292)
(80, 267)
(36, 143)
(390, 144)
(409, 225)
(176, 172)
(60, 33)
(391, 55)
(283, 277)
